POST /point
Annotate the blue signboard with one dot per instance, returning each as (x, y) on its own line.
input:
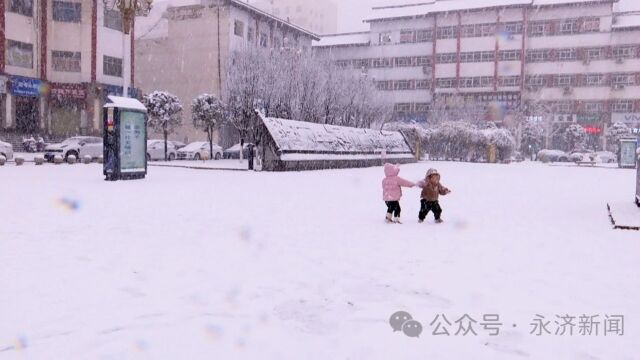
(24, 86)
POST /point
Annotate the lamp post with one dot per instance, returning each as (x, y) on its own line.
(129, 9)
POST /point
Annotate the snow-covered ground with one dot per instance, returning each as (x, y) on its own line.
(241, 265)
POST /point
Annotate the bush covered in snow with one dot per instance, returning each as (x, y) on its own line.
(164, 111)
(614, 133)
(531, 137)
(207, 112)
(575, 138)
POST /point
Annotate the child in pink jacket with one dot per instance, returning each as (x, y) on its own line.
(392, 192)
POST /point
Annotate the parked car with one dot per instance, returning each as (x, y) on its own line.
(606, 157)
(234, 152)
(6, 150)
(547, 155)
(196, 150)
(155, 150)
(580, 156)
(178, 144)
(79, 146)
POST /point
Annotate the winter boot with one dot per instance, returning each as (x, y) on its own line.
(438, 221)
(397, 220)
(420, 221)
(388, 219)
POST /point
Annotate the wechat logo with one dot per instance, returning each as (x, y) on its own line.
(403, 321)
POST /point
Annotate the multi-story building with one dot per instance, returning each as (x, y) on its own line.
(320, 17)
(190, 54)
(58, 61)
(562, 60)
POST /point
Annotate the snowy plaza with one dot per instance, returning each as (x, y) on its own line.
(202, 264)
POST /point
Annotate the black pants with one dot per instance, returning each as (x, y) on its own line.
(393, 207)
(426, 206)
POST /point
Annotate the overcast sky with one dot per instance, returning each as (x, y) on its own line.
(350, 12)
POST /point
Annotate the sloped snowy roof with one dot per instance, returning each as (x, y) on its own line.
(125, 103)
(627, 21)
(358, 38)
(439, 6)
(305, 138)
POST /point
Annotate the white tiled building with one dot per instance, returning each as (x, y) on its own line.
(578, 59)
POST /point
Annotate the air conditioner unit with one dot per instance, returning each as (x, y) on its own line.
(567, 90)
(619, 60)
(426, 69)
(564, 118)
(617, 87)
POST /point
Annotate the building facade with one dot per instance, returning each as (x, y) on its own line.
(557, 60)
(58, 62)
(321, 17)
(189, 58)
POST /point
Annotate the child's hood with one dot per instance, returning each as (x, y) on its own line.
(430, 172)
(391, 170)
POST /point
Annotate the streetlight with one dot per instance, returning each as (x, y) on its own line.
(129, 10)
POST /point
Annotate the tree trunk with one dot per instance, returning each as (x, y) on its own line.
(210, 137)
(166, 134)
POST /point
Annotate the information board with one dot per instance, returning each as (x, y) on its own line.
(132, 142)
(628, 153)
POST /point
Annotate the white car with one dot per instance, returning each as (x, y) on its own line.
(196, 150)
(6, 150)
(155, 150)
(79, 146)
(606, 157)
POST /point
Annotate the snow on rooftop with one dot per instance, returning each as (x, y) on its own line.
(359, 38)
(294, 136)
(627, 21)
(126, 103)
(623, 6)
(439, 6)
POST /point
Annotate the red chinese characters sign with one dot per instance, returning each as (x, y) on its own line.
(67, 91)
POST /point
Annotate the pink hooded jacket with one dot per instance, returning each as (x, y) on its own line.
(391, 184)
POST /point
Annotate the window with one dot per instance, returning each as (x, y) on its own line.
(568, 27)
(113, 19)
(563, 80)
(381, 62)
(535, 80)
(424, 35)
(22, 7)
(361, 63)
(591, 25)
(238, 28)
(402, 107)
(66, 11)
(342, 63)
(384, 85)
(539, 28)
(251, 34)
(264, 40)
(403, 85)
(622, 79)
(447, 32)
(624, 52)
(538, 55)
(446, 58)
(19, 54)
(112, 66)
(422, 84)
(446, 83)
(593, 107)
(404, 61)
(622, 106)
(465, 82)
(510, 55)
(509, 81)
(407, 36)
(468, 31)
(422, 107)
(423, 60)
(486, 29)
(595, 79)
(512, 27)
(562, 107)
(384, 38)
(594, 53)
(67, 61)
(567, 54)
